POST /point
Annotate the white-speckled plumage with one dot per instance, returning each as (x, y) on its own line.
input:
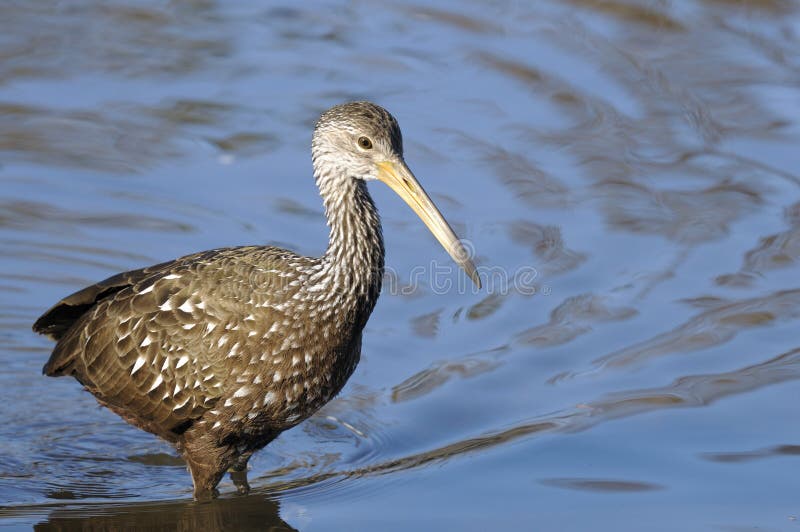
(220, 351)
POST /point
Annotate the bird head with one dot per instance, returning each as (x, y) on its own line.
(362, 141)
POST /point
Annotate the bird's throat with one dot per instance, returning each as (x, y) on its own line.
(355, 255)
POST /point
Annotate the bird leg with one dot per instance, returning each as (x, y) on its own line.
(238, 473)
(207, 464)
(205, 479)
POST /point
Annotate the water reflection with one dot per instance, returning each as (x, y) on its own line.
(522, 177)
(26, 215)
(122, 138)
(747, 456)
(600, 485)
(254, 512)
(575, 317)
(781, 250)
(47, 39)
(627, 12)
(547, 245)
(689, 217)
(432, 378)
(713, 327)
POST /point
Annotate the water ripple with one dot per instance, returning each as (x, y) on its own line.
(713, 327)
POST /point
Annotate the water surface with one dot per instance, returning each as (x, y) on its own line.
(627, 172)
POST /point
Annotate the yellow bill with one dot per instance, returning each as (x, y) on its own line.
(402, 181)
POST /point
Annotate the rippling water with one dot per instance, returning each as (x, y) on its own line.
(628, 173)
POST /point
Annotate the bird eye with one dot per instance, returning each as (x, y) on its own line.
(364, 143)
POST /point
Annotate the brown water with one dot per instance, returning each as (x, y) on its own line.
(628, 172)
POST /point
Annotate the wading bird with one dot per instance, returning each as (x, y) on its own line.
(220, 351)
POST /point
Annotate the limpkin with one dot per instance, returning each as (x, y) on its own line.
(220, 351)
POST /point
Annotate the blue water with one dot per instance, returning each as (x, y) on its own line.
(626, 172)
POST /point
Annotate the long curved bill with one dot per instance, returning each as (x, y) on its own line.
(400, 179)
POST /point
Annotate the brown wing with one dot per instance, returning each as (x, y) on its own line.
(61, 316)
(147, 342)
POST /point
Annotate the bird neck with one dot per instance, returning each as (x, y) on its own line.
(354, 259)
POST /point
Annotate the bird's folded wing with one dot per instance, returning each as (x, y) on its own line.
(155, 344)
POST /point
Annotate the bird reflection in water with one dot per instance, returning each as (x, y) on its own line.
(253, 512)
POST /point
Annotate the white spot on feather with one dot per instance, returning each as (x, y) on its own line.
(276, 377)
(139, 363)
(241, 392)
(172, 276)
(188, 326)
(147, 290)
(186, 306)
(181, 405)
(234, 350)
(147, 341)
(182, 361)
(270, 397)
(167, 305)
(158, 381)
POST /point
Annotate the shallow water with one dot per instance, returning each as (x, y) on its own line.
(627, 172)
